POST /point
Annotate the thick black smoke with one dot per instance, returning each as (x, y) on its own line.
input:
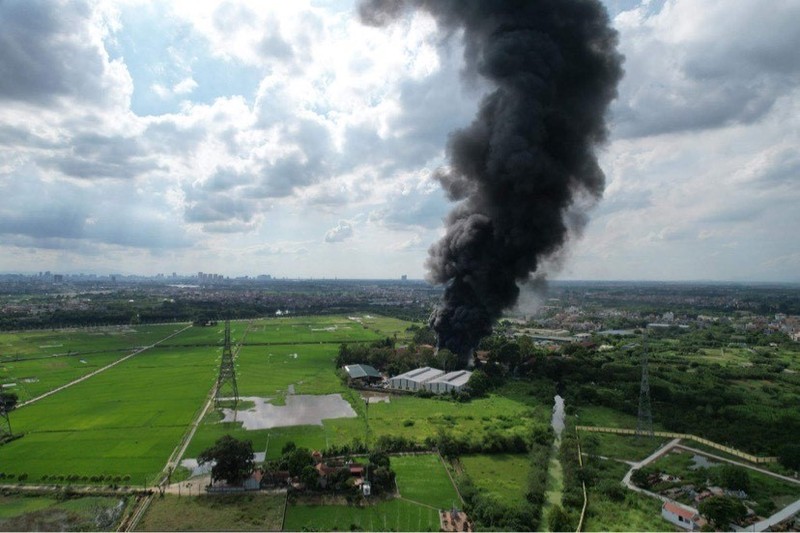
(554, 69)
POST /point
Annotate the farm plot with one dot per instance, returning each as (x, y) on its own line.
(26, 344)
(389, 515)
(322, 329)
(423, 479)
(41, 513)
(385, 326)
(32, 377)
(502, 476)
(237, 512)
(268, 371)
(210, 335)
(122, 422)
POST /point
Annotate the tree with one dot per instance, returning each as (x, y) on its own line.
(734, 478)
(446, 359)
(297, 459)
(479, 383)
(233, 458)
(789, 456)
(559, 520)
(723, 510)
(310, 477)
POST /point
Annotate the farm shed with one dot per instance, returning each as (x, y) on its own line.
(362, 373)
(449, 382)
(415, 379)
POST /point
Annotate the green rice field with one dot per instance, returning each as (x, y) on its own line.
(424, 479)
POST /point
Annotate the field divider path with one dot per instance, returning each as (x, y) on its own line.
(99, 370)
(415, 502)
(180, 449)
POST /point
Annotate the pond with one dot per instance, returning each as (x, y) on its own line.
(300, 410)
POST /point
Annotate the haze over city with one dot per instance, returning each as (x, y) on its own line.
(292, 139)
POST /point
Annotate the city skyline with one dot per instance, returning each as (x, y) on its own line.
(145, 138)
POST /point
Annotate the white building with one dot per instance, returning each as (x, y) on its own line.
(414, 379)
(448, 382)
(682, 516)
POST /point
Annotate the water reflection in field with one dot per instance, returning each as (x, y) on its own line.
(300, 410)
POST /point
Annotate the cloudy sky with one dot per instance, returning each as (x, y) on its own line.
(287, 138)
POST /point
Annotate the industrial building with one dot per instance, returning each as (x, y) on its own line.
(452, 381)
(431, 379)
(414, 379)
(362, 374)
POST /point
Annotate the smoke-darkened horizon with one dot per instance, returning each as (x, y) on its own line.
(516, 170)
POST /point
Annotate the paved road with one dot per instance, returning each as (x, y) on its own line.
(776, 518)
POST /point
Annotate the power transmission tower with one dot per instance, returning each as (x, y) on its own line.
(226, 381)
(7, 404)
(645, 424)
(5, 424)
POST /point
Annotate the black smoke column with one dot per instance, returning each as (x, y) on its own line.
(554, 69)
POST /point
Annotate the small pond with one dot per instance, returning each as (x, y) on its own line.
(300, 410)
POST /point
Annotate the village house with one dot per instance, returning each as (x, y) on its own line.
(683, 517)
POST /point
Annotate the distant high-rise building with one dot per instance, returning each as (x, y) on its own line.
(58, 278)
(404, 277)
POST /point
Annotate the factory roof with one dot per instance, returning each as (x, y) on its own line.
(457, 378)
(361, 371)
(421, 375)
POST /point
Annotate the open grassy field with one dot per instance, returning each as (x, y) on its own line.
(386, 515)
(41, 513)
(503, 476)
(41, 343)
(124, 421)
(624, 447)
(423, 479)
(234, 512)
(503, 412)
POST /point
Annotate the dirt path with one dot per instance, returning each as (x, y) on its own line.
(99, 370)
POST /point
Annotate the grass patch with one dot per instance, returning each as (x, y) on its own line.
(423, 478)
(501, 476)
(624, 447)
(40, 513)
(234, 512)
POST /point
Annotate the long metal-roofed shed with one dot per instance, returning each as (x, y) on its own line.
(451, 381)
(415, 379)
(363, 373)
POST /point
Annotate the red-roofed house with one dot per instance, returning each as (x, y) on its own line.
(682, 516)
